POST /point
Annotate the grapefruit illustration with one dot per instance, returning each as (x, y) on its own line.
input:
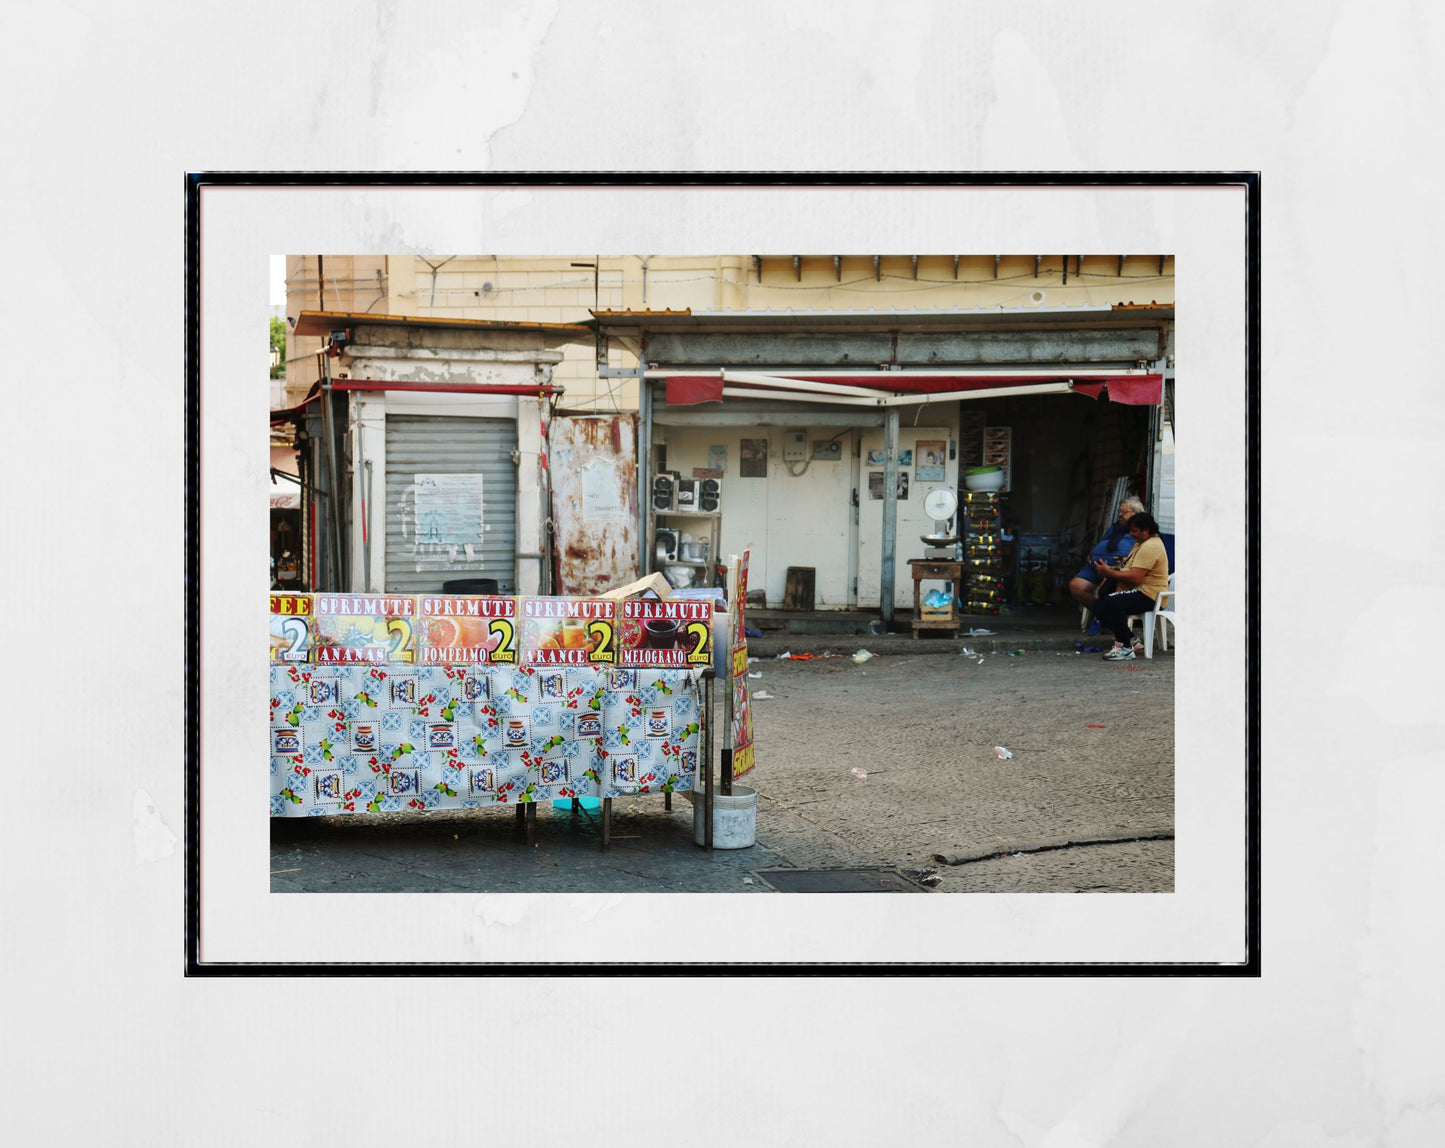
(441, 632)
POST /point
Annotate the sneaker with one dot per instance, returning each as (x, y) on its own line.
(1120, 653)
(1137, 643)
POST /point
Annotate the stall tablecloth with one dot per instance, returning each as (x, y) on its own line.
(395, 738)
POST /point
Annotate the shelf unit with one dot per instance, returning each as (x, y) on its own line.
(693, 522)
(983, 552)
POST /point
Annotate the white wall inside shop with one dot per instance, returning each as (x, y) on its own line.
(784, 519)
(806, 519)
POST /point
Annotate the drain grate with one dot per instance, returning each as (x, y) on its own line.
(839, 881)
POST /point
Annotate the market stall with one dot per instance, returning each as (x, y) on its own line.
(386, 703)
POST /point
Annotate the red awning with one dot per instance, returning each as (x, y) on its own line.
(684, 390)
(1132, 390)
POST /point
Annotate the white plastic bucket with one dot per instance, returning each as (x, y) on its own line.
(734, 818)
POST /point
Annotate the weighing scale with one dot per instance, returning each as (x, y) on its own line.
(940, 504)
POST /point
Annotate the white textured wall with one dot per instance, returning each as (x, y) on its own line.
(1337, 1044)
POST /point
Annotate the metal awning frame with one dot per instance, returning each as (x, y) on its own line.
(813, 386)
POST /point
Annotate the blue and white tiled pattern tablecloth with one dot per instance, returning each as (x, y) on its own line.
(387, 738)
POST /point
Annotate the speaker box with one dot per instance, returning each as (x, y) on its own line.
(709, 497)
(667, 544)
(687, 493)
(664, 491)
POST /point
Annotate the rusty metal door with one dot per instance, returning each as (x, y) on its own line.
(593, 461)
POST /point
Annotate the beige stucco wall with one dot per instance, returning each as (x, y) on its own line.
(550, 289)
(354, 283)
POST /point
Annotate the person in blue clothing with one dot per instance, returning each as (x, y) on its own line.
(1116, 544)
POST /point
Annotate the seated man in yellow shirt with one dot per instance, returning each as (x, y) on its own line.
(1138, 578)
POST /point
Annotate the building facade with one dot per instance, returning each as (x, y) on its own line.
(1047, 348)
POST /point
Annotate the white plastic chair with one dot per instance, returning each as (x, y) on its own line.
(1162, 616)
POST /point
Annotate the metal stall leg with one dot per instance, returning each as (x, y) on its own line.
(707, 767)
(606, 824)
(521, 813)
(531, 823)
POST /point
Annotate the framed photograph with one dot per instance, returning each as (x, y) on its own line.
(753, 458)
(932, 461)
(1201, 919)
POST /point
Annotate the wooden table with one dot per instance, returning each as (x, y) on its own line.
(936, 568)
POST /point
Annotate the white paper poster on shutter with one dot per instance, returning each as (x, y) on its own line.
(449, 509)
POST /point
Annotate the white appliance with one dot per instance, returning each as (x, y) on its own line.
(939, 504)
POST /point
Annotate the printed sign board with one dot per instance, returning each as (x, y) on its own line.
(355, 629)
(674, 634)
(291, 628)
(742, 724)
(467, 630)
(567, 631)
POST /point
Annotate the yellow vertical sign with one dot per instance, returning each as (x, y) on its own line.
(742, 727)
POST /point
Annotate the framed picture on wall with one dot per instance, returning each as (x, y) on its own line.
(932, 456)
(753, 458)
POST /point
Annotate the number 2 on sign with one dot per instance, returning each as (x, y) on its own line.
(699, 632)
(398, 634)
(506, 634)
(299, 632)
(602, 650)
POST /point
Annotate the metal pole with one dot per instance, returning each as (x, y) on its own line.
(890, 515)
(727, 727)
(333, 493)
(707, 766)
(644, 464)
(729, 670)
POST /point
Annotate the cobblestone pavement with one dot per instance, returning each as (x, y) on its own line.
(1092, 745)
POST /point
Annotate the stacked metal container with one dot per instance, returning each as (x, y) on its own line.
(983, 559)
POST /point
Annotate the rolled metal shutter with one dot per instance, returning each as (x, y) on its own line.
(448, 445)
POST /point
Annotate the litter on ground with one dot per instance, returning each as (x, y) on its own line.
(1000, 752)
